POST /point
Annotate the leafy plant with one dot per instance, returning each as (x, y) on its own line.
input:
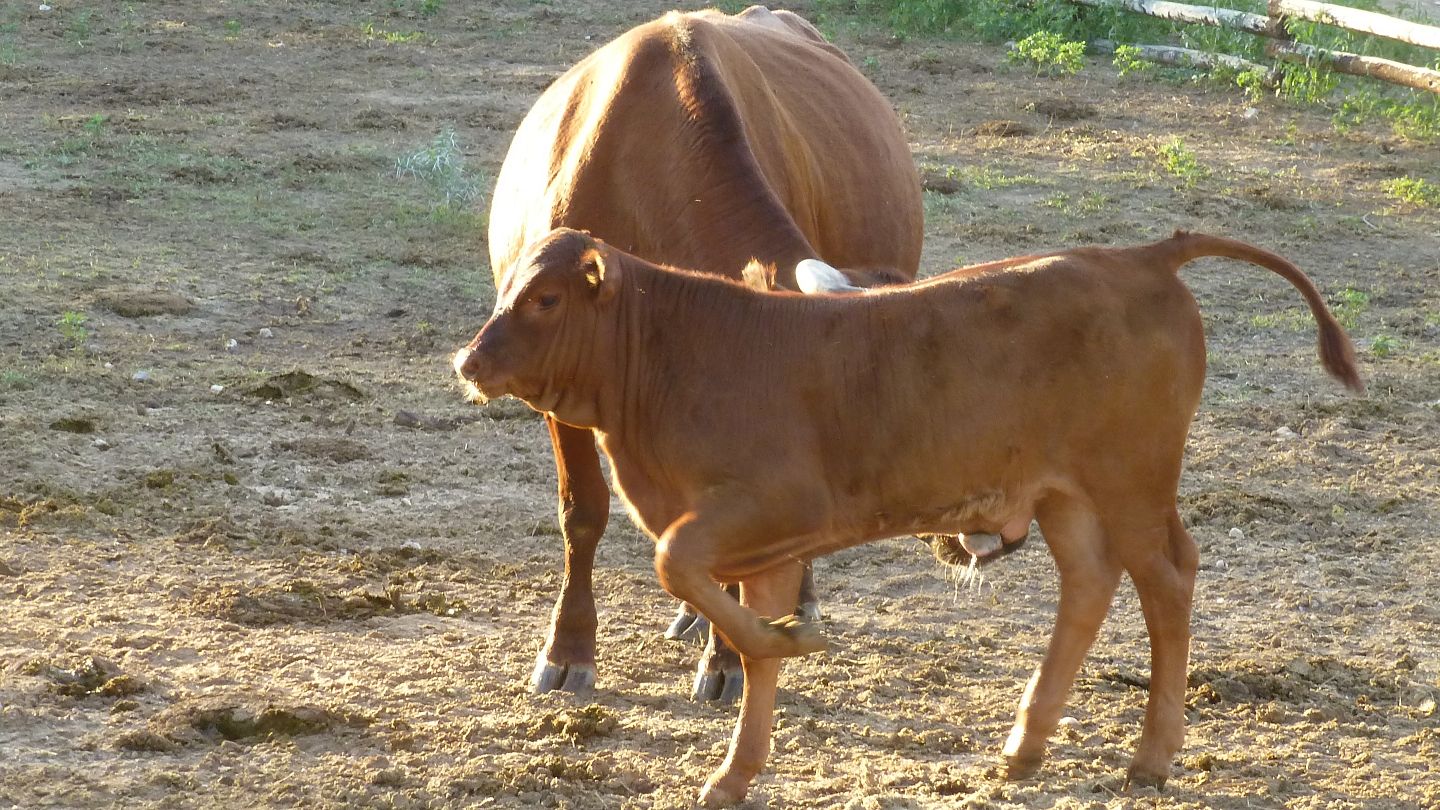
(1384, 345)
(1413, 190)
(1050, 53)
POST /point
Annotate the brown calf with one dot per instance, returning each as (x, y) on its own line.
(1059, 387)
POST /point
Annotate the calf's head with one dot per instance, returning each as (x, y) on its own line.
(547, 324)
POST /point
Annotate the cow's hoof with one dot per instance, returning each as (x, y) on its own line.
(801, 637)
(722, 686)
(1138, 777)
(688, 625)
(809, 611)
(549, 676)
(1018, 767)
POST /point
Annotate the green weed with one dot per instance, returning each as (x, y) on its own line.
(1179, 161)
(1413, 190)
(1050, 53)
(1384, 345)
(72, 327)
(1127, 60)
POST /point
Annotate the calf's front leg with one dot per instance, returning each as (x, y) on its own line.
(567, 658)
(770, 592)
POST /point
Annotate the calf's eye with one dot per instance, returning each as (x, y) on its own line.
(548, 301)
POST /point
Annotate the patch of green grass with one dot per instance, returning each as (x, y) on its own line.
(1384, 345)
(369, 32)
(78, 28)
(1177, 159)
(1413, 190)
(1349, 305)
(12, 380)
(1050, 53)
(1091, 202)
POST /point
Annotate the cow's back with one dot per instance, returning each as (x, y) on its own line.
(702, 141)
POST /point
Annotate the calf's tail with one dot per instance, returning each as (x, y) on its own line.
(1337, 354)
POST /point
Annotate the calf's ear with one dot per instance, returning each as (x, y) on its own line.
(602, 274)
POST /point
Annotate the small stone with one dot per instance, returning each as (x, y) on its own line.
(109, 364)
(1220, 565)
(142, 375)
(100, 444)
(216, 388)
(1250, 113)
(1069, 722)
(410, 544)
(267, 333)
(1236, 534)
(231, 345)
(1284, 432)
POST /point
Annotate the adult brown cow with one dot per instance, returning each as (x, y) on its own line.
(700, 140)
(1059, 387)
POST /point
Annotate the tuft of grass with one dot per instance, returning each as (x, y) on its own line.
(1413, 190)
(1127, 60)
(1050, 53)
(442, 165)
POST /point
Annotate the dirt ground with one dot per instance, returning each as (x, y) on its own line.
(256, 550)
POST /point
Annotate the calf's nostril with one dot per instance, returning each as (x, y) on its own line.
(464, 363)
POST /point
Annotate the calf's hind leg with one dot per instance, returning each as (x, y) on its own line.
(567, 658)
(766, 594)
(684, 558)
(1162, 561)
(1088, 577)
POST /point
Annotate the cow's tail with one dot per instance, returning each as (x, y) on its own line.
(1337, 354)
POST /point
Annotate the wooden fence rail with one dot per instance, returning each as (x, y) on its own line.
(1272, 26)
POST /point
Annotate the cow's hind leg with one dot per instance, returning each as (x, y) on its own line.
(1088, 576)
(567, 659)
(1162, 561)
(766, 594)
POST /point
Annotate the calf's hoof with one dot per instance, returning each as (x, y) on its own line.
(800, 637)
(688, 625)
(1019, 767)
(722, 685)
(809, 611)
(1143, 777)
(719, 793)
(549, 676)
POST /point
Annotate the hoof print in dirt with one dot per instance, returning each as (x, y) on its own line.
(84, 676)
(73, 424)
(220, 720)
(339, 451)
(145, 303)
(300, 384)
(575, 725)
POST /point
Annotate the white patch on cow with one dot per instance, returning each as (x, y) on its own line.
(981, 544)
(813, 276)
